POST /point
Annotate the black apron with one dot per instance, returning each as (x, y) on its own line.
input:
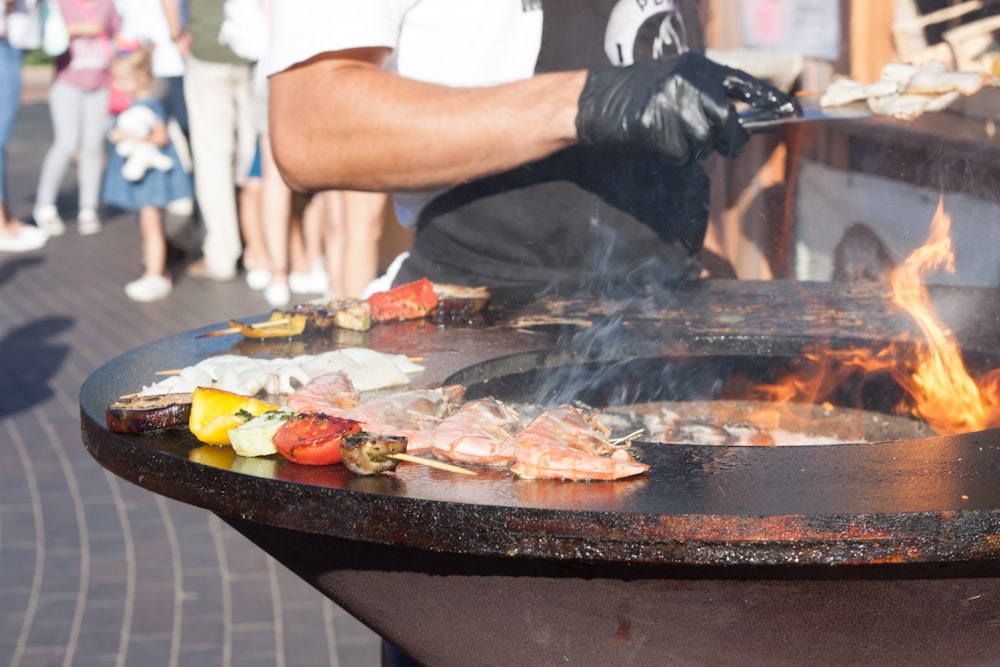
(583, 218)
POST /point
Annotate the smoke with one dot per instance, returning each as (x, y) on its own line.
(606, 354)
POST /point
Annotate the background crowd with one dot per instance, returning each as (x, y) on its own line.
(203, 161)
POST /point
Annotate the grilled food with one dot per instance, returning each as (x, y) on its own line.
(138, 414)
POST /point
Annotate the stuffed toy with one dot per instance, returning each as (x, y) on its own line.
(140, 155)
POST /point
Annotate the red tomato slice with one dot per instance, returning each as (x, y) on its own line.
(411, 301)
(313, 439)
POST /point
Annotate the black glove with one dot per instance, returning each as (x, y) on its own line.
(677, 106)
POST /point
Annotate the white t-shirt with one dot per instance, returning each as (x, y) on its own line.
(450, 42)
(144, 19)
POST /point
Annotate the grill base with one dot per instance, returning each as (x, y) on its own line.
(446, 609)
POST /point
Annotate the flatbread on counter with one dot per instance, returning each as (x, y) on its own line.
(908, 91)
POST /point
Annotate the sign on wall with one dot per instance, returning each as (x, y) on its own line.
(808, 27)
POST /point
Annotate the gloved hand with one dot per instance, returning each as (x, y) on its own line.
(677, 106)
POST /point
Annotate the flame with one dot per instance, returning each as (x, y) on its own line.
(944, 393)
(931, 371)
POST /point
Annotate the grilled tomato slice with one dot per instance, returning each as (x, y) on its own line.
(313, 439)
(411, 301)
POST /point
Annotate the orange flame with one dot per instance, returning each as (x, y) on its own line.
(932, 372)
(945, 395)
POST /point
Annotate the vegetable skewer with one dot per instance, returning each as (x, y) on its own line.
(415, 300)
(232, 330)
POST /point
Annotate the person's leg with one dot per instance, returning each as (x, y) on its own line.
(208, 91)
(300, 220)
(306, 231)
(10, 104)
(94, 120)
(364, 214)
(255, 256)
(313, 237)
(331, 212)
(276, 207)
(173, 101)
(241, 90)
(154, 284)
(15, 236)
(298, 257)
(154, 243)
(65, 104)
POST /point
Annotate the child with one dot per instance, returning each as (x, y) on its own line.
(132, 71)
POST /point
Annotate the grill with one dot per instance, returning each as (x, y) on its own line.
(882, 552)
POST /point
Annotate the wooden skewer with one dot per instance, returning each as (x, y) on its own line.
(230, 330)
(218, 332)
(545, 320)
(431, 463)
(630, 436)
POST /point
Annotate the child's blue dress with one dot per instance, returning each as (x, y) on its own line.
(156, 188)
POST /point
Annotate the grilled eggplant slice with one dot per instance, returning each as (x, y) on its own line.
(139, 414)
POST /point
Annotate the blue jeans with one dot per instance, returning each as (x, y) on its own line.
(173, 101)
(10, 102)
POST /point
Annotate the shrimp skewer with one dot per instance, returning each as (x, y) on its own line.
(481, 431)
(403, 413)
(330, 391)
(406, 413)
(562, 443)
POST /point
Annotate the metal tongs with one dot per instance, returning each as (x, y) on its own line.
(767, 108)
(765, 120)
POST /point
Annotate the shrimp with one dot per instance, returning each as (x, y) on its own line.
(406, 413)
(562, 443)
(481, 431)
(327, 393)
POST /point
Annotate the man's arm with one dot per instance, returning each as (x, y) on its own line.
(338, 121)
(172, 12)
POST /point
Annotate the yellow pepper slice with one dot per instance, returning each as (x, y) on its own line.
(279, 325)
(215, 411)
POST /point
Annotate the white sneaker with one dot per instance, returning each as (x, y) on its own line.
(28, 238)
(308, 283)
(48, 220)
(258, 279)
(200, 270)
(277, 295)
(88, 223)
(181, 207)
(149, 288)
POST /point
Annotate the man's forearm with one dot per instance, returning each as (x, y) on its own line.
(349, 125)
(172, 12)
